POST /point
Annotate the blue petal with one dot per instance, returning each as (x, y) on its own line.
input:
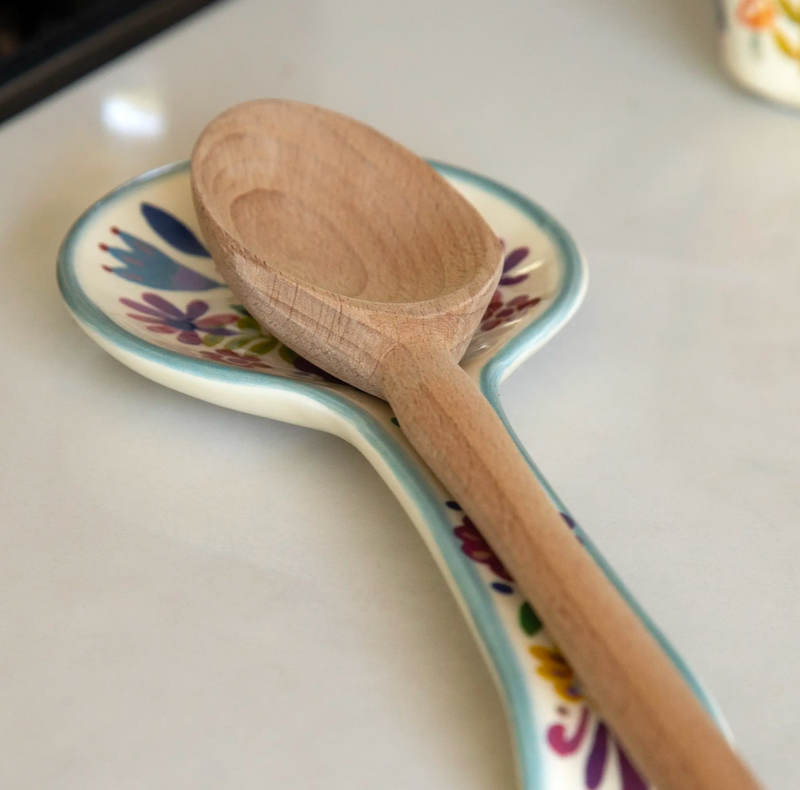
(146, 264)
(173, 231)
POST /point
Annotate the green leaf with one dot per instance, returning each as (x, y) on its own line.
(237, 342)
(287, 354)
(264, 346)
(528, 619)
(211, 340)
(247, 322)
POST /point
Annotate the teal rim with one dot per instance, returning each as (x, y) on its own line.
(476, 596)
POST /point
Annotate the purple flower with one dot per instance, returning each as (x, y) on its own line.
(511, 261)
(163, 317)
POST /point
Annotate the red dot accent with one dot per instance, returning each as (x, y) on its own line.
(103, 247)
(108, 268)
(115, 229)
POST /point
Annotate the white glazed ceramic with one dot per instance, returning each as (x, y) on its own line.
(761, 46)
(140, 283)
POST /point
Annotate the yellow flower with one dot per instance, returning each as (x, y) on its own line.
(554, 667)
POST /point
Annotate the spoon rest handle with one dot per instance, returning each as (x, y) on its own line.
(622, 668)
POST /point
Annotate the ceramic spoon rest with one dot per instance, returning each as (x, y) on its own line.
(139, 281)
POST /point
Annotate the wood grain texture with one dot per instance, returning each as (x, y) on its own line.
(358, 255)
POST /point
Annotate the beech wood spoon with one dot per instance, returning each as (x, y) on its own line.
(358, 255)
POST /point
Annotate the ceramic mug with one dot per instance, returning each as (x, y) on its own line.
(761, 46)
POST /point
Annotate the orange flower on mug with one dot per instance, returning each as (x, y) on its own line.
(757, 14)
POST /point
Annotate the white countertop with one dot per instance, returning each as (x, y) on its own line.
(193, 598)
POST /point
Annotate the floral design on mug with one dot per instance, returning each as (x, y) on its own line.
(757, 14)
(778, 19)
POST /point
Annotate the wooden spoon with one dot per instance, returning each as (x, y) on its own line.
(358, 255)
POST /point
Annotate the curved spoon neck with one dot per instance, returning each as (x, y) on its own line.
(410, 365)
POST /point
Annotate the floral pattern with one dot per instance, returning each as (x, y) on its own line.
(500, 313)
(603, 745)
(145, 264)
(165, 318)
(306, 367)
(228, 357)
(172, 230)
(554, 667)
(779, 20)
(475, 546)
(236, 330)
(504, 310)
(250, 333)
(556, 670)
(757, 14)
(512, 261)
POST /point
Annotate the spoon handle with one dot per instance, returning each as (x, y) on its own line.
(633, 684)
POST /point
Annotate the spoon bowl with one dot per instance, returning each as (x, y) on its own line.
(341, 240)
